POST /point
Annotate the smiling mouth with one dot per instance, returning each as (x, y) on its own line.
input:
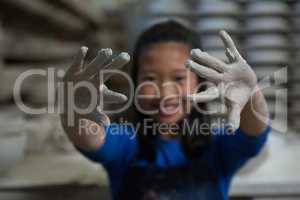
(169, 109)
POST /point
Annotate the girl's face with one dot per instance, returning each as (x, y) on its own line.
(163, 80)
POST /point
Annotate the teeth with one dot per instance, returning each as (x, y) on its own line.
(170, 107)
(169, 110)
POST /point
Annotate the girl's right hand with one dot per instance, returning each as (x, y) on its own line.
(87, 86)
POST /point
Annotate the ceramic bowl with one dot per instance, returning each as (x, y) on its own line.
(215, 24)
(271, 56)
(217, 8)
(267, 8)
(267, 24)
(266, 41)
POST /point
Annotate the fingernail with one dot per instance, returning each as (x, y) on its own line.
(222, 32)
(192, 52)
(107, 52)
(189, 63)
(125, 56)
(84, 49)
(195, 51)
(124, 98)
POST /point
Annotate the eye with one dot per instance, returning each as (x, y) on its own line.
(148, 78)
(180, 78)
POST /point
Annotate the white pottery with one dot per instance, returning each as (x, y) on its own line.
(215, 24)
(267, 8)
(208, 7)
(266, 41)
(267, 24)
(12, 141)
(269, 56)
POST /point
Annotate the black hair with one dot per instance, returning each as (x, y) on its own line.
(169, 31)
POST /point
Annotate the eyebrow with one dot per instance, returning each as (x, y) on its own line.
(148, 69)
(181, 70)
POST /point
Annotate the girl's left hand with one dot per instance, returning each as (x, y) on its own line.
(234, 81)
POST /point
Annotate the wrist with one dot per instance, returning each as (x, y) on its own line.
(257, 105)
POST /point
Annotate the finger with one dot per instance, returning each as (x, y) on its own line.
(208, 60)
(98, 63)
(103, 119)
(229, 55)
(99, 117)
(117, 63)
(234, 116)
(229, 44)
(204, 72)
(78, 62)
(110, 96)
(208, 95)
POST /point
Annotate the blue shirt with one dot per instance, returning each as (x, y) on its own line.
(226, 155)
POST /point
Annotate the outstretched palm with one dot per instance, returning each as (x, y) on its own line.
(234, 81)
(86, 80)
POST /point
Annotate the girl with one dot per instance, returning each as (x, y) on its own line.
(170, 157)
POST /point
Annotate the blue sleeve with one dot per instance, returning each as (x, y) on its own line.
(236, 149)
(119, 146)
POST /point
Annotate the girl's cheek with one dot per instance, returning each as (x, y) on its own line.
(188, 87)
(146, 96)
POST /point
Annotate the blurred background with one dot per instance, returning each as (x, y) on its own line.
(36, 159)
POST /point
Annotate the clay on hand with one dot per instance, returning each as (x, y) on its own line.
(235, 81)
(79, 72)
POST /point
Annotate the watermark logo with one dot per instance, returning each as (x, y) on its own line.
(62, 96)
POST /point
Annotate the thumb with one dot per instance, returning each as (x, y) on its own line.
(98, 117)
(110, 96)
(234, 116)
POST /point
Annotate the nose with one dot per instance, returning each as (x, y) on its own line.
(169, 90)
